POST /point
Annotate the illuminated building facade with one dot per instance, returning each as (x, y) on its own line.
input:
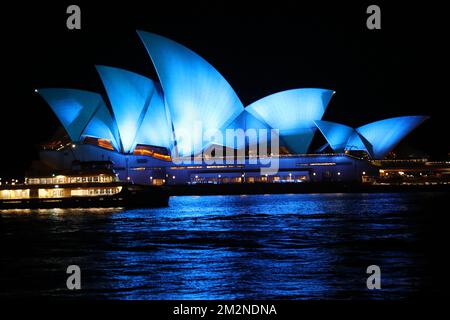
(143, 125)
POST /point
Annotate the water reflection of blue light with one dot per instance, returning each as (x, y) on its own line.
(233, 247)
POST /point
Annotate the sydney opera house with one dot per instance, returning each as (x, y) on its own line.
(144, 127)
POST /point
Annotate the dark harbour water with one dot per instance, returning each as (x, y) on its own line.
(303, 246)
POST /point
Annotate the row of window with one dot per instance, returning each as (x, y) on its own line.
(65, 179)
(95, 191)
(243, 179)
(56, 193)
(14, 194)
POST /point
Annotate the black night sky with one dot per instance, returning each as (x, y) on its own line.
(259, 48)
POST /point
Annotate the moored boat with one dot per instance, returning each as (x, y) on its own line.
(98, 188)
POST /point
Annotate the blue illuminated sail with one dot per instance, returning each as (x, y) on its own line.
(357, 143)
(196, 93)
(384, 135)
(74, 108)
(293, 112)
(247, 122)
(155, 129)
(102, 126)
(130, 95)
(336, 134)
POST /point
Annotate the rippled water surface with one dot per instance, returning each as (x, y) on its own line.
(303, 246)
